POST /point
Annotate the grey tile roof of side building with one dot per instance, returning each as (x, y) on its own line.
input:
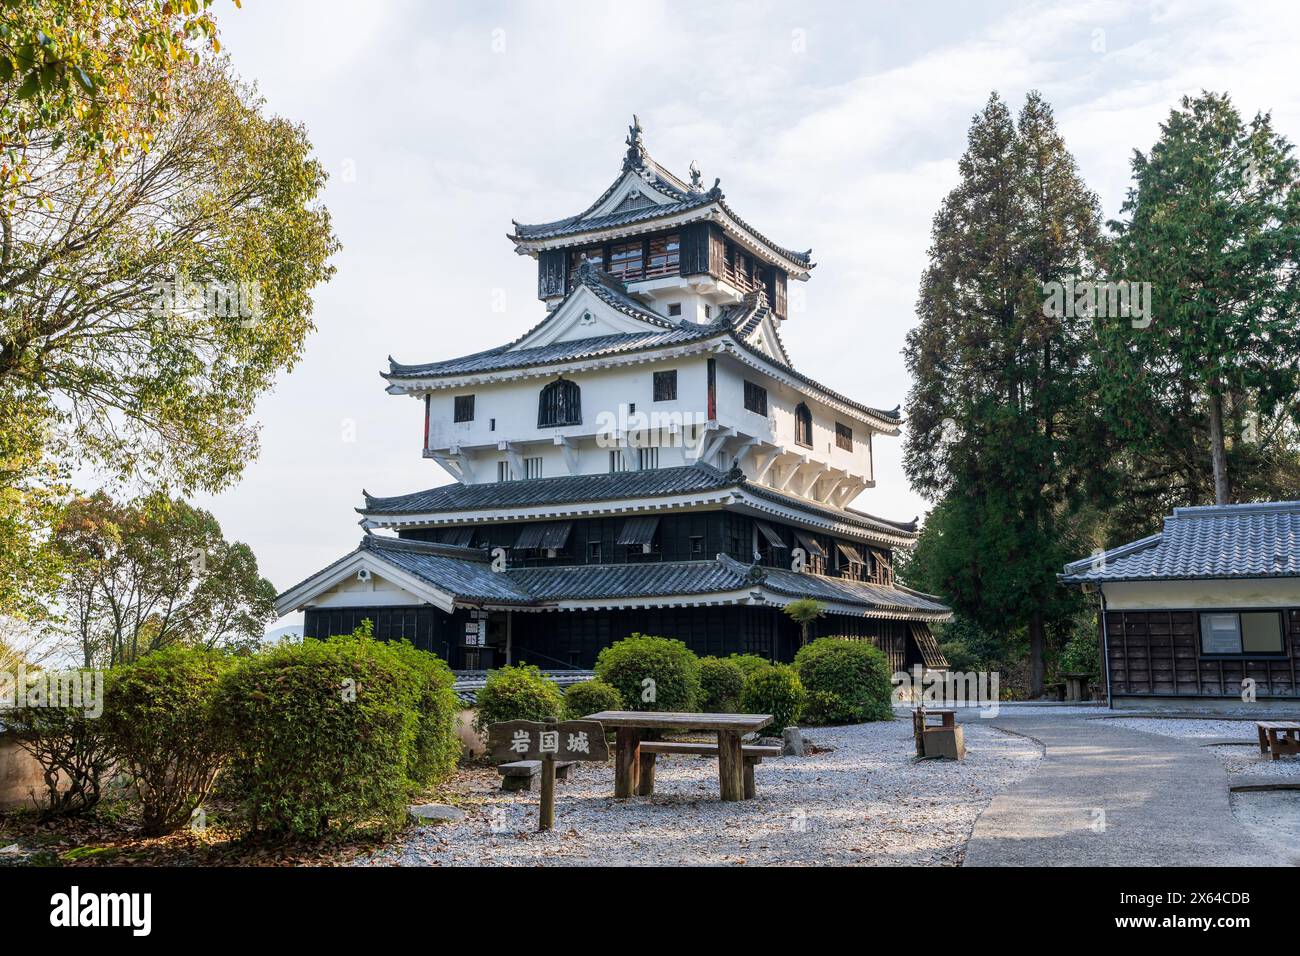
(1213, 542)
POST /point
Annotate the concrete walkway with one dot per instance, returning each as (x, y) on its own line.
(1106, 796)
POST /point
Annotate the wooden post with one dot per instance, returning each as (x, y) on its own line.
(645, 775)
(546, 812)
(749, 777)
(731, 771)
(627, 762)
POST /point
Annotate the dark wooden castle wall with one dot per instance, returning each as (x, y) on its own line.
(1158, 653)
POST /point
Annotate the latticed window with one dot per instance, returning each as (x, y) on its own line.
(647, 458)
(844, 436)
(532, 467)
(464, 408)
(560, 404)
(627, 261)
(803, 425)
(755, 398)
(665, 255)
(666, 386)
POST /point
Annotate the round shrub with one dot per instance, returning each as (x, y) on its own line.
(721, 682)
(161, 721)
(774, 689)
(590, 697)
(517, 693)
(437, 744)
(748, 663)
(847, 681)
(325, 735)
(651, 673)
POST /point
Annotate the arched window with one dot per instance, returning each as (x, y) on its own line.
(560, 404)
(803, 426)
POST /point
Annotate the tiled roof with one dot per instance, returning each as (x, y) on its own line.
(465, 574)
(575, 350)
(610, 486)
(1218, 541)
(654, 482)
(577, 224)
(653, 579)
(842, 590)
(686, 198)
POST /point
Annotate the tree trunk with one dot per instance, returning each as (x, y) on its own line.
(1217, 453)
(1037, 656)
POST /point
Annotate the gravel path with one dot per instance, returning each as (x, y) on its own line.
(1243, 761)
(863, 802)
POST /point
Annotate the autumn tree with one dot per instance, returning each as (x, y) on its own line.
(156, 268)
(1001, 428)
(1207, 396)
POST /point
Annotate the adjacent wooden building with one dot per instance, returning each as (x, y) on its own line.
(1207, 608)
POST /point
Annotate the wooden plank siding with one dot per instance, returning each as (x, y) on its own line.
(1158, 654)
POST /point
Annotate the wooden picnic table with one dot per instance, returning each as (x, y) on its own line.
(1278, 737)
(634, 768)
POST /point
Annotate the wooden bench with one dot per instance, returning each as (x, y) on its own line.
(1279, 737)
(522, 774)
(751, 754)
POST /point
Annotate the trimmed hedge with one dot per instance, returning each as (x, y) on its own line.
(651, 673)
(163, 727)
(721, 683)
(71, 748)
(590, 697)
(517, 693)
(325, 736)
(847, 681)
(437, 744)
(774, 689)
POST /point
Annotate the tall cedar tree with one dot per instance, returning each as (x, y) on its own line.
(1001, 429)
(1212, 221)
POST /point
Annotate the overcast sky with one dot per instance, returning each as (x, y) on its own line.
(835, 126)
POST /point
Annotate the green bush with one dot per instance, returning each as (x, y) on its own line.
(651, 673)
(71, 748)
(161, 720)
(748, 663)
(437, 743)
(1082, 652)
(326, 736)
(590, 697)
(721, 683)
(774, 689)
(847, 681)
(517, 693)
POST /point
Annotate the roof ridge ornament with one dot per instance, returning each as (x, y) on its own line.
(636, 152)
(697, 178)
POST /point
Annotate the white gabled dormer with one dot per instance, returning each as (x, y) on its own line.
(596, 307)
